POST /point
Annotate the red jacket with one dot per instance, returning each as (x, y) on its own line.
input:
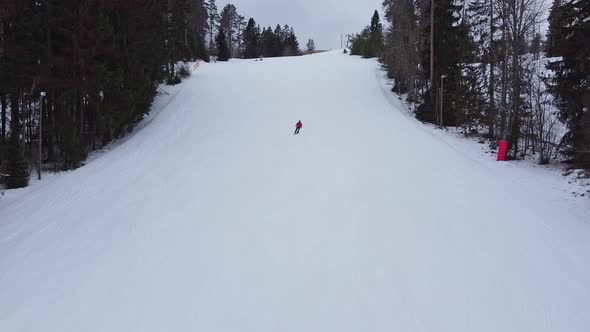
(299, 125)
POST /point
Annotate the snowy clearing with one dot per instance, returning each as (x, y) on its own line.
(215, 217)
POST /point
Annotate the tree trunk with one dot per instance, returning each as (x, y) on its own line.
(50, 128)
(492, 85)
(515, 116)
(504, 92)
(14, 117)
(432, 85)
(3, 131)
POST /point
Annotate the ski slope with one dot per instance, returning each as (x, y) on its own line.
(215, 217)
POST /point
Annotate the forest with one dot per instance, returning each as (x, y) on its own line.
(511, 70)
(77, 74)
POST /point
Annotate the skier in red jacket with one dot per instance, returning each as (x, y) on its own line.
(298, 127)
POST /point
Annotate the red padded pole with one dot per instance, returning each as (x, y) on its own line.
(503, 151)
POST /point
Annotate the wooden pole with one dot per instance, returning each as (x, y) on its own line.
(432, 46)
(40, 133)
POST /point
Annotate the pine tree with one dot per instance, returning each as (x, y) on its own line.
(251, 40)
(369, 43)
(267, 42)
(213, 23)
(360, 43)
(570, 36)
(310, 46)
(450, 39)
(15, 170)
(291, 46)
(100, 63)
(401, 49)
(227, 23)
(278, 42)
(3, 107)
(483, 22)
(240, 25)
(555, 35)
(223, 53)
(375, 42)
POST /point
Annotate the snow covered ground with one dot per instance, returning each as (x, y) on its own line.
(215, 217)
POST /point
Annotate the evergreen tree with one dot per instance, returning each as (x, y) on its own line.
(557, 22)
(251, 40)
(100, 63)
(267, 42)
(222, 48)
(310, 46)
(212, 23)
(15, 169)
(291, 44)
(240, 25)
(570, 31)
(228, 23)
(278, 41)
(375, 43)
(360, 43)
(196, 30)
(401, 50)
(450, 40)
(369, 43)
(483, 21)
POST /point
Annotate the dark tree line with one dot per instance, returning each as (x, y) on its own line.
(280, 42)
(98, 61)
(247, 39)
(480, 66)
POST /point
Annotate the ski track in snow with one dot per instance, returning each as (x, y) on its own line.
(215, 217)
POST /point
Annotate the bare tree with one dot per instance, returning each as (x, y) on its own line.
(518, 18)
(401, 53)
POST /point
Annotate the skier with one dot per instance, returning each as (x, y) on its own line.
(298, 127)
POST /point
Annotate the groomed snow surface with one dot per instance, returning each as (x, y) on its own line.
(215, 217)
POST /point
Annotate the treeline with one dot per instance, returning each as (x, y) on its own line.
(232, 37)
(98, 63)
(484, 66)
(369, 43)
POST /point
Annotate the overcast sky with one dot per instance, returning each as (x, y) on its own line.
(322, 20)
